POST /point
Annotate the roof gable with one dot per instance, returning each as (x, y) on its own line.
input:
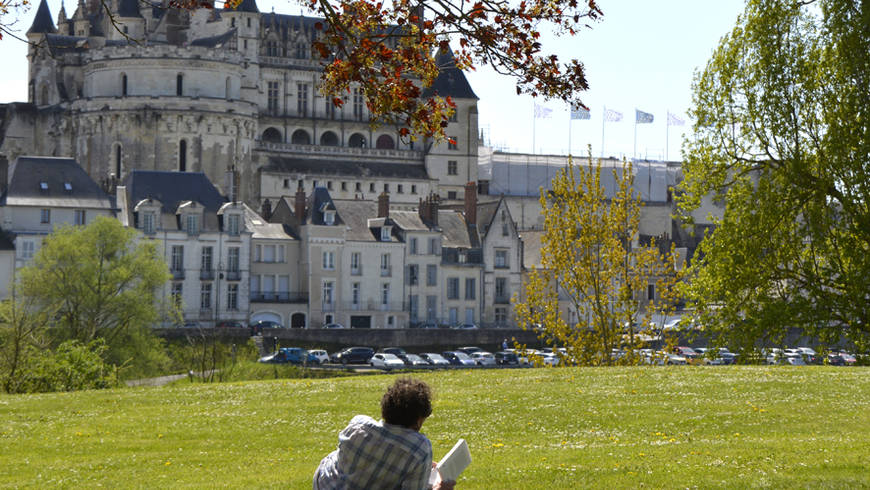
(450, 80)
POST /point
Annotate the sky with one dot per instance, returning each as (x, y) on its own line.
(642, 55)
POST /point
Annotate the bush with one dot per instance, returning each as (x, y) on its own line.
(72, 366)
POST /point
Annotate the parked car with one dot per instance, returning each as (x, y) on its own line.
(260, 325)
(320, 354)
(505, 358)
(483, 358)
(465, 326)
(230, 324)
(549, 359)
(413, 360)
(706, 355)
(426, 325)
(794, 358)
(458, 358)
(470, 350)
(848, 359)
(290, 355)
(353, 355)
(434, 359)
(688, 353)
(774, 356)
(386, 361)
(397, 351)
(810, 356)
(333, 325)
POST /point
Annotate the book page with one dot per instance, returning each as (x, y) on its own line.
(455, 461)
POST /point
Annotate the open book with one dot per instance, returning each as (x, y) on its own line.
(452, 464)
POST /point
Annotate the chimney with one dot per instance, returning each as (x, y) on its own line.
(471, 203)
(300, 204)
(266, 211)
(434, 199)
(384, 205)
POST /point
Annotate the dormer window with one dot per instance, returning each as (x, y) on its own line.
(67, 186)
(148, 222)
(385, 233)
(329, 217)
(233, 224)
(43, 186)
(192, 224)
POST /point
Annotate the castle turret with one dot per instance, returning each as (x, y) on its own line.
(454, 162)
(62, 21)
(130, 21)
(80, 21)
(246, 20)
(42, 23)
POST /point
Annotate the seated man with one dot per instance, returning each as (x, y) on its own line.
(388, 454)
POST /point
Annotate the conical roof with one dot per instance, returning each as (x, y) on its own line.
(450, 81)
(248, 6)
(42, 23)
(129, 8)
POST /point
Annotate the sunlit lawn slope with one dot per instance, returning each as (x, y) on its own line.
(535, 428)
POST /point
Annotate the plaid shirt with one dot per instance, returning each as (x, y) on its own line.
(375, 455)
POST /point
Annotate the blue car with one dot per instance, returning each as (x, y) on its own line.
(458, 358)
(291, 355)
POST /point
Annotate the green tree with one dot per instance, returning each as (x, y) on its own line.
(100, 283)
(23, 336)
(783, 138)
(593, 263)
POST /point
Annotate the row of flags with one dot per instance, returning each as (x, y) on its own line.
(580, 113)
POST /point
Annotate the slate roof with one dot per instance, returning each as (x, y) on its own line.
(263, 229)
(347, 168)
(172, 188)
(355, 214)
(486, 214)
(454, 231)
(408, 220)
(129, 8)
(319, 202)
(42, 22)
(27, 174)
(248, 6)
(450, 80)
(215, 41)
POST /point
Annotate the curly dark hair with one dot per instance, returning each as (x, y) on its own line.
(406, 401)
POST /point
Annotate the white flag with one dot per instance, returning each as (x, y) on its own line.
(542, 112)
(612, 116)
(674, 120)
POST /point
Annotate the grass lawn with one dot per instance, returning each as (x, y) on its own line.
(684, 426)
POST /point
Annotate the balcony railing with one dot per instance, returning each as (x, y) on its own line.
(502, 300)
(373, 305)
(234, 275)
(177, 273)
(278, 297)
(356, 271)
(206, 274)
(386, 271)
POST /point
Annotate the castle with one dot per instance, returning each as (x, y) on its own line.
(211, 90)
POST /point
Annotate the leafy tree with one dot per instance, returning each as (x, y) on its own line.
(100, 284)
(783, 137)
(591, 260)
(23, 337)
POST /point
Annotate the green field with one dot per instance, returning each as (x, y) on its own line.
(655, 427)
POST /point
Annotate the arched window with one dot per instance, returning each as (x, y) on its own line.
(300, 137)
(123, 84)
(329, 139)
(43, 95)
(272, 135)
(179, 84)
(385, 142)
(182, 155)
(118, 161)
(356, 141)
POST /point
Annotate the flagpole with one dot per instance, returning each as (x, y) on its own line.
(603, 115)
(634, 151)
(569, 130)
(534, 117)
(667, 134)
